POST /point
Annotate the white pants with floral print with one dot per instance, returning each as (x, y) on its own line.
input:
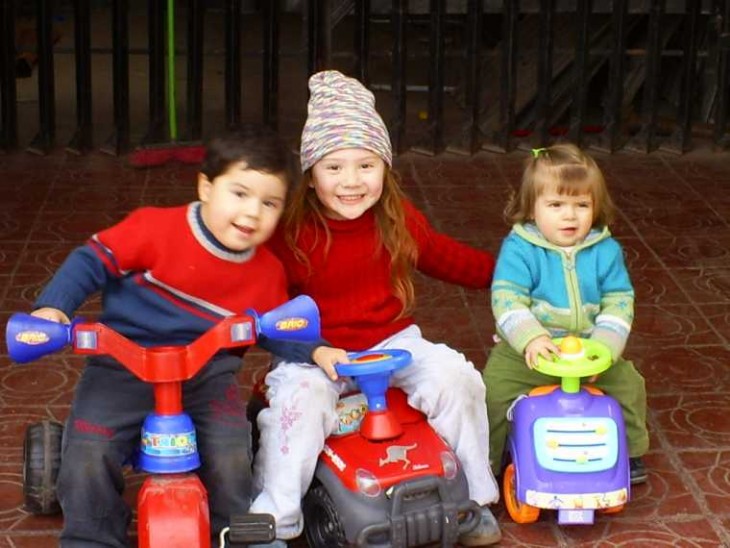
(440, 382)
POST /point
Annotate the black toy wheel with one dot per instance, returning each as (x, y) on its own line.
(41, 461)
(322, 525)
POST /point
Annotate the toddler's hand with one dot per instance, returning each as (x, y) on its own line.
(541, 346)
(52, 314)
(326, 357)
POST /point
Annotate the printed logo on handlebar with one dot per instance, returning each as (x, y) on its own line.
(32, 337)
(292, 324)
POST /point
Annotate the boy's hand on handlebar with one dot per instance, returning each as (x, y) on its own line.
(52, 314)
(541, 346)
(327, 357)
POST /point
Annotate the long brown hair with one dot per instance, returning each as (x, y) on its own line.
(304, 207)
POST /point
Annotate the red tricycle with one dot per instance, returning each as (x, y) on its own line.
(172, 505)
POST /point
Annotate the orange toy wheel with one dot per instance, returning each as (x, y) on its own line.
(519, 512)
(612, 509)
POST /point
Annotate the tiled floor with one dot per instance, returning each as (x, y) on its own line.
(674, 222)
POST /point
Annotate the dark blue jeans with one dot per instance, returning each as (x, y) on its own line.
(103, 432)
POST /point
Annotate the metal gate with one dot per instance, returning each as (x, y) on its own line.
(459, 76)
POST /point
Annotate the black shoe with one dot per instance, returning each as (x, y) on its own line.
(637, 469)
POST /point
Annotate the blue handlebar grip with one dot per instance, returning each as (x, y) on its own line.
(29, 338)
(295, 320)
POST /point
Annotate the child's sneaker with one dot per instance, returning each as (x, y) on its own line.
(486, 533)
(637, 470)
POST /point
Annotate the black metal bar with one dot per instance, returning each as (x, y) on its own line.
(611, 136)
(156, 70)
(399, 13)
(645, 139)
(271, 64)
(194, 111)
(544, 72)
(233, 64)
(508, 78)
(681, 139)
(580, 78)
(82, 140)
(472, 88)
(118, 142)
(43, 141)
(8, 89)
(720, 135)
(433, 144)
(362, 41)
(318, 11)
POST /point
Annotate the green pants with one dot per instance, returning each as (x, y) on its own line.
(507, 376)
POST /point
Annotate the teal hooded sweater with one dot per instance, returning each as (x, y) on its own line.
(542, 289)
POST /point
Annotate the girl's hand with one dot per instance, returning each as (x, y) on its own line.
(52, 314)
(327, 357)
(541, 346)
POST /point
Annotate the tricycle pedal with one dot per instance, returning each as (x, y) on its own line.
(252, 528)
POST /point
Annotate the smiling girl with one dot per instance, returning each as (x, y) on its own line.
(352, 241)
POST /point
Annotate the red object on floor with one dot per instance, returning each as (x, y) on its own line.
(153, 156)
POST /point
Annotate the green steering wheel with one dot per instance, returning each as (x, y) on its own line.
(579, 358)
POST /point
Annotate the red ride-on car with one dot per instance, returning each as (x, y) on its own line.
(386, 479)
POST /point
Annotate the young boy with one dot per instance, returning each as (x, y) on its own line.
(166, 276)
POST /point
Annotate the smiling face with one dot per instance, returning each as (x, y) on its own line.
(241, 207)
(348, 182)
(563, 219)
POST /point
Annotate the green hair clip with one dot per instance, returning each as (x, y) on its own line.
(536, 152)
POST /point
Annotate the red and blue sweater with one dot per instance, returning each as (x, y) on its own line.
(351, 282)
(165, 280)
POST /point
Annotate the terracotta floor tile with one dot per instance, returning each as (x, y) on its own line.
(693, 421)
(705, 285)
(672, 221)
(710, 472)
(15, 226)
(682, 369)
(719, 317)
(83, 197)
(72, 226)
(708, 251)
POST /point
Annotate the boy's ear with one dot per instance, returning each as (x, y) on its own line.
(204, 187)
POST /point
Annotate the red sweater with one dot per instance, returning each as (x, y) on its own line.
(351, 283)
(165, 279)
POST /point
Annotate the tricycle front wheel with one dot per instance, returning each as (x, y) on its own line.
(518, 511)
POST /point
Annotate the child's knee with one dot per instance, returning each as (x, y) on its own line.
(311, 393)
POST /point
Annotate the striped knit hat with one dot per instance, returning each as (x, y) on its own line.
(341, 114)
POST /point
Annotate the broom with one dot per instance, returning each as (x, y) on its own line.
(160, 154)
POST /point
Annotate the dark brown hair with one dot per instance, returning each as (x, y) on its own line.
(259, 147)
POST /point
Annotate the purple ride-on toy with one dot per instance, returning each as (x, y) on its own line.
(568, 443)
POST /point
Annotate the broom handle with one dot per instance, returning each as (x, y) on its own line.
(171, 100)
